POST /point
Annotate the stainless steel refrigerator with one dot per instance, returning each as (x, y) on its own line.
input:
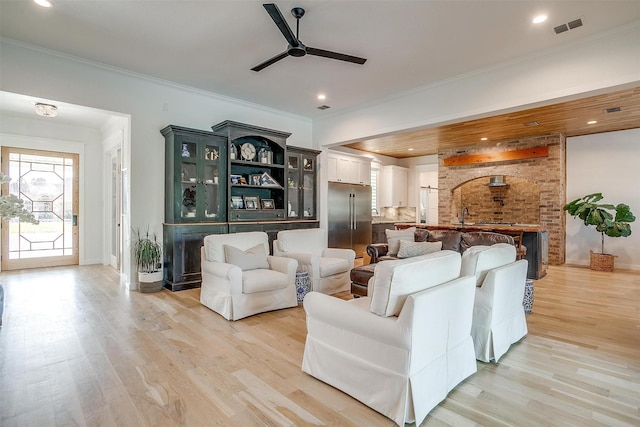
(349, 207)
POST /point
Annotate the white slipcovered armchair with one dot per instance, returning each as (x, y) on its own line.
(240, 279)
(498, 315)
(401, 349)
(328, 268)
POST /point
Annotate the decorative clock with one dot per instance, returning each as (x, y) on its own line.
(248, 151)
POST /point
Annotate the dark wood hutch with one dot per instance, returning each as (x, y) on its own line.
(237, 178)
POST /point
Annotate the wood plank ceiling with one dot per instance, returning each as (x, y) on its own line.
(568, 118)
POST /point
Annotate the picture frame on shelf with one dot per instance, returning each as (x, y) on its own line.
(255, 179)
(267, 180)
(251, 202)
(237, 202)
(243, 180)
(267, 204)
(235, 179)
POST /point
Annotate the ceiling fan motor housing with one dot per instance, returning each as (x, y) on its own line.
(297, 51)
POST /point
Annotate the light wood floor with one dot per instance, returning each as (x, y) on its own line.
(77, 349)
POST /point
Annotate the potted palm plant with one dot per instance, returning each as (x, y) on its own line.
(610, 220)
(147, 252)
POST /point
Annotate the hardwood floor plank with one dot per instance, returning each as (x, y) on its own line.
(77, 348)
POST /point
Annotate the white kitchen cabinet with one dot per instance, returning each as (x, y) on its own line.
(393, 186)
(349, 169)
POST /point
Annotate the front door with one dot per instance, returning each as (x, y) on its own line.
(47, 182)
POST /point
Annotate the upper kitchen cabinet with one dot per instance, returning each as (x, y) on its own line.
(195, 171)
(393, 186)
(348, 169)
(302, 183)
(257, 172)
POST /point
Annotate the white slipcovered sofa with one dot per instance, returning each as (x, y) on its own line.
(328, 268)
(240, 279)
(498, 315)
(401, 349)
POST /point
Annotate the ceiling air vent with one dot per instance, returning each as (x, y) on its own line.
(576, 23)
(612, 110)
(533, 123)
(561, 28)
(323, 107)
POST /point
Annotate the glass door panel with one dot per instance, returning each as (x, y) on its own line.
(47, 182)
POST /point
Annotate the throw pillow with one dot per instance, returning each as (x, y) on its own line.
(411, 249)
(394, 237)
(251, 259)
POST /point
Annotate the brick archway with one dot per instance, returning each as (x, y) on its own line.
(547, 173)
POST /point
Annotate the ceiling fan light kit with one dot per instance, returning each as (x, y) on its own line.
(295, 47)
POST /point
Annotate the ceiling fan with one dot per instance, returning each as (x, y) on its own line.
(296, 48)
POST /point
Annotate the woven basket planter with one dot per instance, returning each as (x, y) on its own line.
(601, 262)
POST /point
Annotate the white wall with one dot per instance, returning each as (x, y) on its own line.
(25, 133)
(152, 104)
(607, 163)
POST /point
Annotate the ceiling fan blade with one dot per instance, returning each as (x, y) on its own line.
(277, 17)
(335, 55)
(273, 60)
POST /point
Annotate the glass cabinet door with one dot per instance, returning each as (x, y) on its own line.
(202, 192)
(301, 183)
(294, 186)
(308, 188)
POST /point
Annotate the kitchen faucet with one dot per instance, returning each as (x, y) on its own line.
(465, 209)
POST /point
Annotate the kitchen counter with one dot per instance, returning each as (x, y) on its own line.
(534, 237)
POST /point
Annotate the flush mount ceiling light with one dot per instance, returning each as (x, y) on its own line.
(46, 110)
(322, 97)
(43, 3)
(592, 122)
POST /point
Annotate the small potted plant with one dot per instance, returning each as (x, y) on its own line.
(610, 220)
(147, 252)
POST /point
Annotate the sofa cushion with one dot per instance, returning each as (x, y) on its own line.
(394, 237)
(214, 243)
(394, 280)
(259, 280)
(251, 259)
(483, 238)
(420, 235)
(331, 266)
(450, 239)
(310, 241)
(478, 260)
(411, 249)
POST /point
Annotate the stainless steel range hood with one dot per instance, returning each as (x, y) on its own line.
(497, 181)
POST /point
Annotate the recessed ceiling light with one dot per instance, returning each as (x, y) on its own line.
(322, 97)
(43, 3)
(410, 149)
(484, 138)
(539, 19)
(592, 122)
(377, 151)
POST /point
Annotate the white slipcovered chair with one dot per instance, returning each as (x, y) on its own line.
(498, 315)
(401, 349)
(240, 279)
(328, 268)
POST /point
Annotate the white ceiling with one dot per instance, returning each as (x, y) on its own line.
(212, 45)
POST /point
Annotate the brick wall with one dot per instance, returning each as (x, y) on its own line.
(535, 195)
